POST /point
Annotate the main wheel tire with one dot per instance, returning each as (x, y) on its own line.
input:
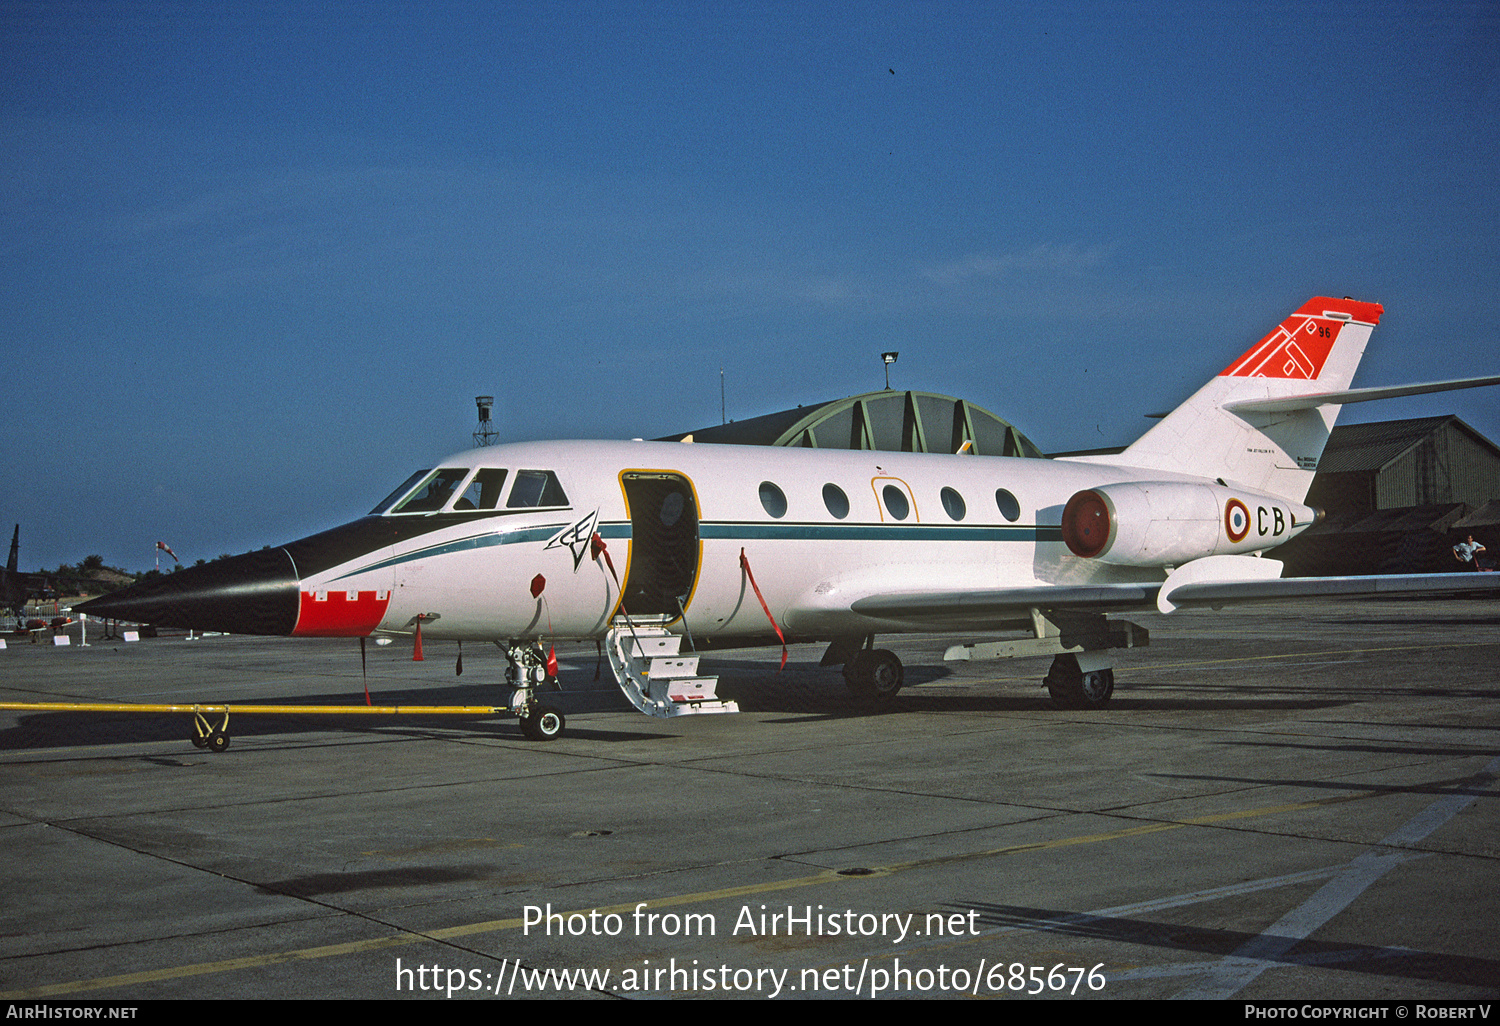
(543, 723)
(1071, 688)
(199, 741)
(218, 741)
(877, 674)
(1098, 687)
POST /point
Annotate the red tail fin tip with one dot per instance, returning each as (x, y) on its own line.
(1299, 346)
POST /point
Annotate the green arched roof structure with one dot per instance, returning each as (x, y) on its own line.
(888, 420)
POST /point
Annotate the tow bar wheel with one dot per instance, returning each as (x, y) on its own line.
(206, 735)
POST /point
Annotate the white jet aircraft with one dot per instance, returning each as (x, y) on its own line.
(638, 544)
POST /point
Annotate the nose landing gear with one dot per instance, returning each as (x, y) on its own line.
(529, 674)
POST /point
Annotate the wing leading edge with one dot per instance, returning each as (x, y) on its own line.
(979, 607)
(1245, 579)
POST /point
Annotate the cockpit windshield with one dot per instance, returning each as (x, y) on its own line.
(433, 494)
(483, 492)
(451, 488)
(536, 488)
(390, 499)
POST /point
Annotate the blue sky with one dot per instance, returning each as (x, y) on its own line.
(257, 259)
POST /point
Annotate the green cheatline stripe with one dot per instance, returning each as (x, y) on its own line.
(876, 532)
(731, 531)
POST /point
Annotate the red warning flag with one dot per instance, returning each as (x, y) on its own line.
(745, 565)
(597, 548)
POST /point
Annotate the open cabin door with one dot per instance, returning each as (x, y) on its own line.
(662, 566)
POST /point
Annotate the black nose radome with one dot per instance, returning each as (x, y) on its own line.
(251, 594)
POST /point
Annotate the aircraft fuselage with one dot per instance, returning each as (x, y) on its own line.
(668, 521)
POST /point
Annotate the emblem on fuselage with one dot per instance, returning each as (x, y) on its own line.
(576, 538)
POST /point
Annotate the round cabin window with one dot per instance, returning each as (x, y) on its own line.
(773, 499)
(895, 502)
(953, 503)
(671, 509)
(1010, 509)
(836, 501)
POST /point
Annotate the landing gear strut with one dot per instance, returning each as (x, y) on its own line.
(526, 674)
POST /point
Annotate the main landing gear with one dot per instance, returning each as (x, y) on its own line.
(1081, 676)
(871, 673)
(875, 673)
(527, 675)
(1072, 687)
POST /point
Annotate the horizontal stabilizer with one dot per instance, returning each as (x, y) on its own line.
(1354, 395)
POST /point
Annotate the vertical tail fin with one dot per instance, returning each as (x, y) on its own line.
(1314, 350)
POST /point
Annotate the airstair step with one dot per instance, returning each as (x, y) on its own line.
(655, 678)
(672, 666)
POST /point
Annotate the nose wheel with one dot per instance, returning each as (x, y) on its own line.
(543, 723)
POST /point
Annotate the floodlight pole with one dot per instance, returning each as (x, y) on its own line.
(888, 359)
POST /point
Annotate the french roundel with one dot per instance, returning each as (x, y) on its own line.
(1236, 520)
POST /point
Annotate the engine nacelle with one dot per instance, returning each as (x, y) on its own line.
(1167, 523)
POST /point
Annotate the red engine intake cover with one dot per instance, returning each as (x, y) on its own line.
(1085, 524)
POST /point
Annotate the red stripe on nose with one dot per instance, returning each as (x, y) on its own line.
(340, 614)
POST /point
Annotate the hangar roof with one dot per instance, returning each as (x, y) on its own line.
(1353, 447)
(886, 420)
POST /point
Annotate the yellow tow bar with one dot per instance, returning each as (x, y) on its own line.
(216, 738)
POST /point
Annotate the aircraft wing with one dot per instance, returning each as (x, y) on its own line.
(956, 608)
(1221, 593)
(1213, 581)
(966, 605)
(1224, 580)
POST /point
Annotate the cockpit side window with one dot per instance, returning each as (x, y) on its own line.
(536, 488)
(433, 494)
(483, 492)
(386, 502)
